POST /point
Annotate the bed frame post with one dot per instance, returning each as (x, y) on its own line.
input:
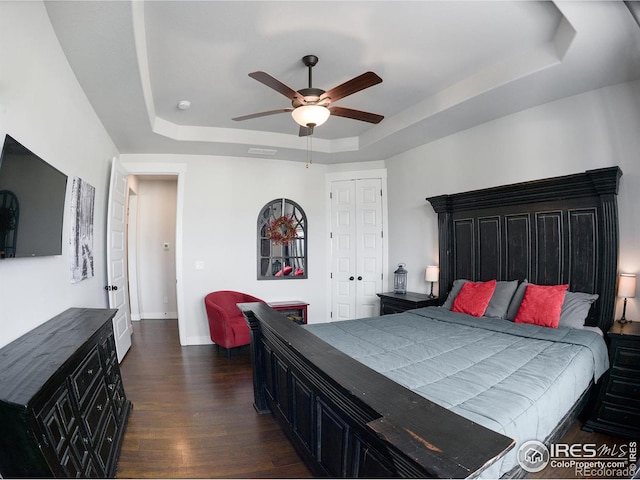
(257, 360)
(442, 206)
(606, 182)
(445, 229)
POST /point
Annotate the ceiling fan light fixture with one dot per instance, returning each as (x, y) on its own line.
(314, 115)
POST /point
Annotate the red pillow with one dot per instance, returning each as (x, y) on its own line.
(542, 305)
(474, 298)
(285, 271)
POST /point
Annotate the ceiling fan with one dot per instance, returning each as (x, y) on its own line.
(311, 107)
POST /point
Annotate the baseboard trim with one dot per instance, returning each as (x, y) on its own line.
(158, 315)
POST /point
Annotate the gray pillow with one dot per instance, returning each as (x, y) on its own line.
(499, 303)
(575, 309)
(516, 300)
(455, 290)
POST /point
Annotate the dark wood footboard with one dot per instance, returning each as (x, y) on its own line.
(347, 420)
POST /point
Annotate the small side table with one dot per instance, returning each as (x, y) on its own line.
(391, 302)
(617, 411)
(294, 310)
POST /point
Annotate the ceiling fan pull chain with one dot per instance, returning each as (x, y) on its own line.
(309, 149)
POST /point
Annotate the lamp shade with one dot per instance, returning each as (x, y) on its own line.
(431, 274)
(314, 115)
(627, 285)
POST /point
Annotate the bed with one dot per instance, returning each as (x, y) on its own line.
(352, 403)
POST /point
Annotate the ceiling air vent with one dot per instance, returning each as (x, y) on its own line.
(262, 151)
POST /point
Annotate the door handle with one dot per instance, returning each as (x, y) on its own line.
(360, 277)
(351, 278)
(109, 288)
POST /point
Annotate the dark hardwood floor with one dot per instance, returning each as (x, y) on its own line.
(193, 415)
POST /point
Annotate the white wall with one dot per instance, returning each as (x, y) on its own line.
(592, 130)
(222, 199)
(156, 266)
(43, 107)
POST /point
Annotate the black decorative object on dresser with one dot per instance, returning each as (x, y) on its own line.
(63, 409)
(617, 410)
(391, 302)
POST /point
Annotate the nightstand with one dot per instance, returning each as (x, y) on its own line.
(617, 411)
(399, 302)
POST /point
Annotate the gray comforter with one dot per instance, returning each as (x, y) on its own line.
(519, 380)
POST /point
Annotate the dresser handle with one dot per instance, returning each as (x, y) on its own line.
(45, 440)
(90, 371)
(99, 407)
(110, 439)
(112, 386)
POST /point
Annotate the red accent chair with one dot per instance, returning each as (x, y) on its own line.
(227, 325)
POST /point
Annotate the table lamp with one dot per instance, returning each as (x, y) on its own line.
(626, 289)
(431, 275)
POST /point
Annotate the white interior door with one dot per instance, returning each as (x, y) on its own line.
(117, 258)
(343, 248)
(357, 248)
(368, 246)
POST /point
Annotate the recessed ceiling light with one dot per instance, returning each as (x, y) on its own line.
(184, 104)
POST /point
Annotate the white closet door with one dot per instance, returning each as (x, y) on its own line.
(343, 250)
(356, 243)
(368, 246)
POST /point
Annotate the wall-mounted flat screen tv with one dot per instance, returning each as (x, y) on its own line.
(32, 196)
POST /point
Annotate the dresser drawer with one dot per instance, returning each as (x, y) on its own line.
(108, 347)
(389, 308)
(619, 415)
(106, 441)
(116, 391)
(97, 409)
(57, 419)
(626, 361)
(85, 376)
(625, 388)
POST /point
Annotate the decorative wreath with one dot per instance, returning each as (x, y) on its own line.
(282, 230)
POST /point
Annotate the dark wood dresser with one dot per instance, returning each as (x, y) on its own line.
(617, 411)
(63, 408)
(391, 302)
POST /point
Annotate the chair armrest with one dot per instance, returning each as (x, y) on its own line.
(214, 311)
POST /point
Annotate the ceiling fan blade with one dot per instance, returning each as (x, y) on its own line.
(366, 80)
(262, 114)
(305, 131)
(356, 114)
(277, 85)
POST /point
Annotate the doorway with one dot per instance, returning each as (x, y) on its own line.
(151, 246)
(176, 173)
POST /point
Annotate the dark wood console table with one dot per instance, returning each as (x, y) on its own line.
(294, 310)
(63, 409)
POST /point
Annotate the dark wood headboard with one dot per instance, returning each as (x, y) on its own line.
(552, 231)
